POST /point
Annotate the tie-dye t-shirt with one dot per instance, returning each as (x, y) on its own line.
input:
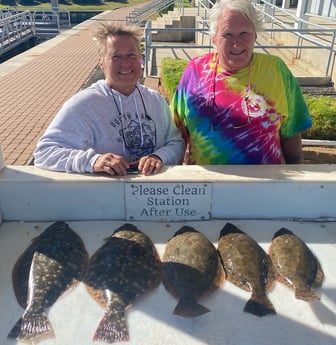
(238, 118)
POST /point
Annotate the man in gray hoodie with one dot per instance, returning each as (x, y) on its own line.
(116, 124)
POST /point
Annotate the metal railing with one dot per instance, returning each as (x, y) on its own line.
(139, 16)
(47, 23)
(15, 29)
(305, 35)
(7, 11)
(150, 46)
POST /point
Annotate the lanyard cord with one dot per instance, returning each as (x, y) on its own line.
(120, 110)
(136, 106)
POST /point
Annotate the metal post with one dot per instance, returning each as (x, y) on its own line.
(300, 15)
(54, 5)
(148, 42)
(332, 43)
(285, 4)
(269, 8)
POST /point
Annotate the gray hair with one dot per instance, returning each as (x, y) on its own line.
(245, 7)
(111, 29)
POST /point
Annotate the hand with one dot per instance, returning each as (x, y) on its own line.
(292, 149)
(111, 164)
(151, 164)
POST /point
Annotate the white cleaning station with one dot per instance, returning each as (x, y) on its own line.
(257, 199)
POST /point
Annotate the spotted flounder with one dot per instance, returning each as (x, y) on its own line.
(248, 266)
(295, 264)
(126, 267)
(55, 261)
(191, 268)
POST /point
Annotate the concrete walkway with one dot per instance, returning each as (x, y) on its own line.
(35, 84)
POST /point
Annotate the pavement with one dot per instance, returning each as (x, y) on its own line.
(35, 84)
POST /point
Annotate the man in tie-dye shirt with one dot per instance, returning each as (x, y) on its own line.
(235, 106)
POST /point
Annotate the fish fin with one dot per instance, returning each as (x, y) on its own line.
(31, 326)
(112, 327)
(229, 228)
(282, 231)
(306, 295)
(319, 276)
(185, 229)
(271, 274)
(189, 308)
(219, 277)
(259, 305)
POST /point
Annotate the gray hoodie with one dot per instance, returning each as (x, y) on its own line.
(99, 120)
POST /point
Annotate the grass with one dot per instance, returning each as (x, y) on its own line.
(322, 108)
(171, 70)
(76, 7)
(323, 111)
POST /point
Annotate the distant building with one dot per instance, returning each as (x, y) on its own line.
(325, 8)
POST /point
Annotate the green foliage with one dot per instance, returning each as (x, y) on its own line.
(71, 5)
(322, 108)
(323, 111)
(186, 4)
(171, 71)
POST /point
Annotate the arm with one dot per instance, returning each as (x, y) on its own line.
(297, 121)
(181, 104)
(67, 143)
(171, 145)
(292, 149)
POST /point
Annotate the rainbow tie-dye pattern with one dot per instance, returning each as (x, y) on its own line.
(238, 118)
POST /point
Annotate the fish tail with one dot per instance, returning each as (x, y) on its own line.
(306, 295)
(188, 308)
(31, 326)
(259, 305)
(112, 327)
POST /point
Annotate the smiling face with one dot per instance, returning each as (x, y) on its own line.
(121, 63)
(234, 39)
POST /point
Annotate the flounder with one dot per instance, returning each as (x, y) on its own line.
(126, 267)
(55, 261)
(247, 266)
(295, 264)
(191, 268)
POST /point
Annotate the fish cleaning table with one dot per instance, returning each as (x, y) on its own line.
(258, 200)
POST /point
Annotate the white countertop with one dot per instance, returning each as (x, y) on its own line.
(184, 173)
(261, 191)
(75, 316)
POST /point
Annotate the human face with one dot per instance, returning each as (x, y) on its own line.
(121, 63)
(234, 40)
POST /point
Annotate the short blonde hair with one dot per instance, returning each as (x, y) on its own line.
(111, 29)
(245, 7)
